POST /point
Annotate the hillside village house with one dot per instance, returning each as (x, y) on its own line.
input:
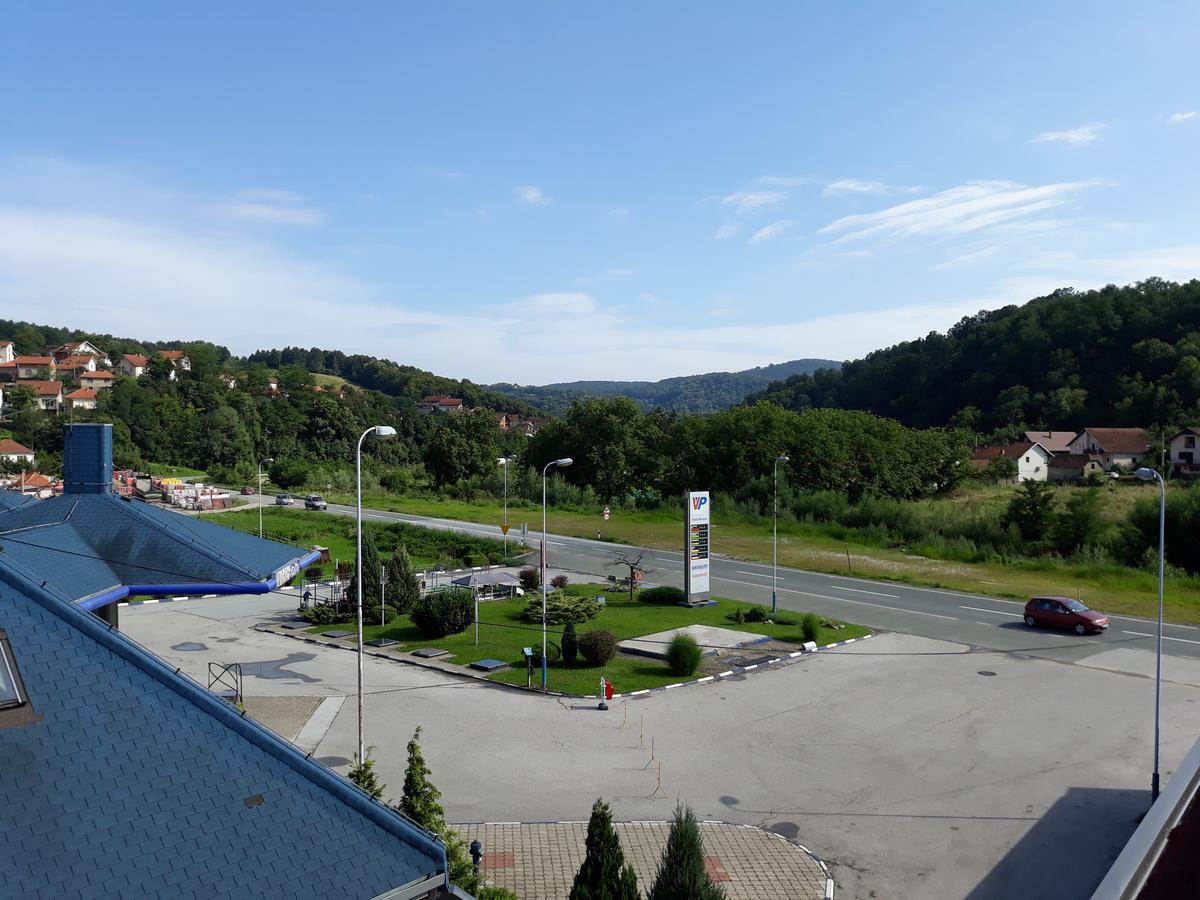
(1073, 467)
(48, 394)
(1054, 441)
(434, 403)
(133, 365)
(99, 380)
(80, 348)
(34, 366)
(1125, 447)
(178, 359)
(1032, 459)
(11, 451)
(7, 353)
(1184, 451)
(76, 365)
(84, 398)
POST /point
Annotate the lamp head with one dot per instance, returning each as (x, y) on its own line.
(502, 461)
(268, 461)
(782, 458)
(385, 431)
(1146, 474)
(564, 462)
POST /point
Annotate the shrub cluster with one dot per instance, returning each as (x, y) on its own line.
(664, 595)
(440, 613)
(597, 647)
(683, 654)
(561, 608)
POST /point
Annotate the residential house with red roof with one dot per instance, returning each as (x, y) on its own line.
(177, 358)
(33, 366)
(1054, 441)
(84, 398)
(1184, 451)
(1074, 467)
(435, 403)
(48, 394)
(13, 452)
(100, 380)
(1126, 447)
(133, 365)
(80, 348)
(7, 353)
(1031, 458)
(77, 365)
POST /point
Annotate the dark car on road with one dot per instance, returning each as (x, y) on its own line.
(284, 500)
(315, 501)
(1063, 612)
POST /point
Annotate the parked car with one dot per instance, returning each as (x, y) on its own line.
(315, 501)
(1063, 612)
(247, 490)
(284, 500)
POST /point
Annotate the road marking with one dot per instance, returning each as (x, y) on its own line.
(899, 609)
(754, 574)
(876, 593)
(994, 612)
(1165, 637)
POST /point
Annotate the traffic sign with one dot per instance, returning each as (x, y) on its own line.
(504, 529)
(606, 513)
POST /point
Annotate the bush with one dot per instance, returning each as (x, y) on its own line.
(597, 647)
(322, 614)
(810, 626)
(553, 654)
(493, 892)
(664, 595)
(559, 582)
(756, 614)
(371, 615)
(561, 608)
(570, 644)
(440, 613)
(531, 578)
(683, 654)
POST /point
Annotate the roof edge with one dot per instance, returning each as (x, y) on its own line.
(345, 791)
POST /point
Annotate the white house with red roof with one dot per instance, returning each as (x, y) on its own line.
(48, 394)
(1184, 452)
(1125, 447)
(177, 358)
(100, 380)
(13, 452)
(1031, 458)
(33, 366)
(79, 348)
(435, 403)
(7, 353)
(133, 365)
(84, 398)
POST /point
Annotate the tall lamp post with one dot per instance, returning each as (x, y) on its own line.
(561, 463)
(1147, 474)
(383, 431)
(503, 463)
(261, 463)
(775, 533)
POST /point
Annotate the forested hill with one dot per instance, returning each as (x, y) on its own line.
(706, 393)
(1120, 356)
(391, 378)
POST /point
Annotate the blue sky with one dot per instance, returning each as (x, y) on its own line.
(539, 192)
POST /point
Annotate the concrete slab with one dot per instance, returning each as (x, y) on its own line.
(430, 652)
(296, 626)
(710, 638)
(489, 665)
(382, 642)
(336, 634)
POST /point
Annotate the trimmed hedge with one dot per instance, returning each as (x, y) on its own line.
(440, 613)
(597, 647)
(663, 594)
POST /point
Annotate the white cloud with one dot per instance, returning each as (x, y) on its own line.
(748, 201)
(1179, 117)
(618, 212)
(272, 207)
(771, 231)
(855, 186)
(728, 230)
(971, 207)
(551, 304)
(532, 195)
(1084, 134)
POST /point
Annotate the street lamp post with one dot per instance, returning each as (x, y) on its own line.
(503, 463)
(383, 431)
(1147, 474)
(261, 463)
(562, 463)
(775, 533)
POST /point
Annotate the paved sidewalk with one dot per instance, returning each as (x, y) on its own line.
(538, 861)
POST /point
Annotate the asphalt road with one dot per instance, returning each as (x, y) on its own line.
(974, 620)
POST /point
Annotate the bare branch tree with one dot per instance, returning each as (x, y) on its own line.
(634, 564)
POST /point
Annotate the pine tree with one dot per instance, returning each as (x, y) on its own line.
(421, 802)
(604, 874)
(370, 570)
(363, 774)
(402, 587)
(570, 644)
(681, 874)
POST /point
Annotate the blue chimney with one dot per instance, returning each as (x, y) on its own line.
(87, 459)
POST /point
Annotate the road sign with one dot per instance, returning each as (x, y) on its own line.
(504, 529)
(606, 513)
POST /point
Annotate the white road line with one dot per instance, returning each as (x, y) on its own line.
(994, 612)
(876, 593)
(754, 574)
(1165, 638)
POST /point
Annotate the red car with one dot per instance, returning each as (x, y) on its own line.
(1063, 612)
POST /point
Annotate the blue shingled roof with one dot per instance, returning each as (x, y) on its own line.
(137, 782)
(13, 499)
(79, 545)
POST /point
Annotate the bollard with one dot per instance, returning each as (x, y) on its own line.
(603, 694)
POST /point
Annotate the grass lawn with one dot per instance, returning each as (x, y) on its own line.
(1110, 588)
(165, 471)
(502, 634)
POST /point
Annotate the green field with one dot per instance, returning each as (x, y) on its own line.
(165, 471)
(502, 634)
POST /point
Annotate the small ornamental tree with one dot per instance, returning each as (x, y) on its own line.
(370, 571)
(531, 578)
(683, 654)
(570, 644)
(403, 590)
(363, 774)
(681, 874)
(422, 802)
(604, 874)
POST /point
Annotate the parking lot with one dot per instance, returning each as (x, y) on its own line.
(916, 767)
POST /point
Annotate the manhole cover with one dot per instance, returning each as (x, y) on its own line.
(986, 672)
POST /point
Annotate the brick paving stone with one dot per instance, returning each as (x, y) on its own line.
(283, 715)
(538, 861)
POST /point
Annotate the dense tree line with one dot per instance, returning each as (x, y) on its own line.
(1119, 356)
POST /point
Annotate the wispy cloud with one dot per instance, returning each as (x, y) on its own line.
(747, 201)
(1084, 134)
(782, 181)
(856, 186)
(619, 212)
(728, 230)
(774, 230)
(1180, 117)
(271, 206)
(532, 195)
(968, 208)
